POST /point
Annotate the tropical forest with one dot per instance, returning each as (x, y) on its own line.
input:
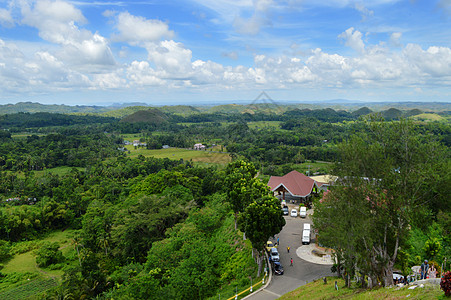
(172, 202)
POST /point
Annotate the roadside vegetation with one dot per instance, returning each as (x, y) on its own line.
(317, 290)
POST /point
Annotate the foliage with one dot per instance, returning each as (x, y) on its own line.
(5, 250)
(9, 280)
(384, 175)
(30, 289)
(242, 187)
(445, 283)
(49, 254)
(261, 219)
(162, 228)
(190, 261)
(317, 290)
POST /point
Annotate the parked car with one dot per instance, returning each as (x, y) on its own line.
(294, 212)
(285, 210)
(269, 245)
(278, 269)
(274, 254)
(303, 211)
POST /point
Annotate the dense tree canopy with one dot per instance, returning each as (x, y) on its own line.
(386, 178)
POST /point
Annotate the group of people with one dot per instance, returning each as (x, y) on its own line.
(427, 271)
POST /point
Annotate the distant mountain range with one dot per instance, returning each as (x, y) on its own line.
(121, 109)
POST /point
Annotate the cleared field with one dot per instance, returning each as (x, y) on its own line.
(26, 262)
(322, 167)
(24, 135)
(185, 154)
(58, 171)
(264, 124)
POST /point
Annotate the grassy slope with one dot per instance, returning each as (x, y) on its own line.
(25, 263)
(318, 290)
(429, 117)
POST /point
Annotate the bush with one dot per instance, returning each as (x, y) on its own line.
(5, 250)
(49, 254)
(445, 283)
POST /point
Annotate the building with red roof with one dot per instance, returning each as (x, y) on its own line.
(295, 184)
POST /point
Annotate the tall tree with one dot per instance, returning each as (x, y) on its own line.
(242, 186)
(260, 220)
(384, 187)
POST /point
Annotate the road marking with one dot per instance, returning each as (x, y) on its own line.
(268, 291)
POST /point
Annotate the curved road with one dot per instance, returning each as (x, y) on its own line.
(301, 272)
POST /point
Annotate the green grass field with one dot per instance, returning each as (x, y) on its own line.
(31, 289)
(203, 157)
(264, 124)
(429, 118)
(318, 290)
(32, 279)
(19, 136)
(58, 171)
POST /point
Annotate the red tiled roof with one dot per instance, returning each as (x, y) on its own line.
(297, 184)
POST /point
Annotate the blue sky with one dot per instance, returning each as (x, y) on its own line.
(207, 51)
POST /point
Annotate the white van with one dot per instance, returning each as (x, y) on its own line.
(305, 237)
(303, 211)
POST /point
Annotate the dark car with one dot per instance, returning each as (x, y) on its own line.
(278, 269)
(285, 210)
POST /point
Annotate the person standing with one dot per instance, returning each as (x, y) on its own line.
(291, 262)
(432, 272)
(288, 249)
(424, 269)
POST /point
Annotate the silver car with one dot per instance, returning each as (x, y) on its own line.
(274, 254)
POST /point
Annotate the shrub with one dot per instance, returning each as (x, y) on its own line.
(5, 250)
(445, 283)
(49, 254)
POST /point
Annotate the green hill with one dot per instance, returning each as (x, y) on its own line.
(123, 112)
(183, 110)
(413, 112)
(427, 117)
(362, 112)
(152, 116)
(52, 108)
(392, 114)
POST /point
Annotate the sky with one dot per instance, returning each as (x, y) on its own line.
(214, 51)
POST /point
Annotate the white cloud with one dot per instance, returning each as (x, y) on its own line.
(83, 59)
(105, 81)
(140, 73)
(137, 30)
(395, 39)
(435, 61)
(41, 72)
(353, 39)
(363, 10)
(56, 22)
(170, 57)
(262, 5)
(6, 19)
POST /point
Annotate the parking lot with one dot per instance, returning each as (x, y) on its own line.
(302, 271)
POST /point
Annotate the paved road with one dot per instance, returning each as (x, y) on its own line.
(301, 272)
